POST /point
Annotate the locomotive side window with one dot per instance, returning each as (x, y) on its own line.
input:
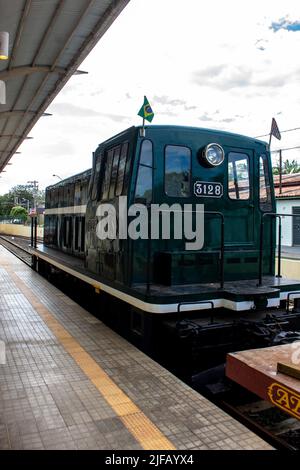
(264, 185)
(143, 189)
(55, 197)
(71, 194)
(108, 166)
(238, 176)
(77, 196)
(96, 179)
(47, 199)
(66, 195)
(114, 172)
(121, 170)
(61, 196)
(177, 171)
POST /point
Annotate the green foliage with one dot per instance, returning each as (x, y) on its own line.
(288, 167)
(20, 195)
(6, 203)
(19, 212)
(21, 192)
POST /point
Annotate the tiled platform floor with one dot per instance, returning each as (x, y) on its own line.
(69, 382)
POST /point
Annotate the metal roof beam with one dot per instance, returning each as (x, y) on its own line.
(11, 136)
(17, 113)
(19, 32)
(28, 70)
(49, 29)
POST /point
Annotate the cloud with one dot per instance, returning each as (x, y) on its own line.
(115, 117)
(189, 108)
(223, 77)
(261, 44)
(72, 110)
(211, 72)
(167, 113)
(97, 92)
(168, 101)
(205, 117)
(227, 120)
(59, 148)
(227, 77)
(285, 24)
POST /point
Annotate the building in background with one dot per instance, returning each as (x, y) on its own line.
(288, 202)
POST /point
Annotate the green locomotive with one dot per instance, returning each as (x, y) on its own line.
(177, 228)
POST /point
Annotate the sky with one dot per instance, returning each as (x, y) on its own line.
(229, 65)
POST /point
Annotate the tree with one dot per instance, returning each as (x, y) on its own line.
(19, 212)
(6, 203)
(20, 192)
(287, 168)
(21, 195)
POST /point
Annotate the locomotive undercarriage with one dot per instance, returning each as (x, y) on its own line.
(200, 343)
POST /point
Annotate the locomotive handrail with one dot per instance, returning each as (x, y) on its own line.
(197, 302)
(261, 243)
(287, 308)
(222, 247)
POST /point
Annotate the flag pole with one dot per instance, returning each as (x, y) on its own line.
(270, 139)
(142, 130)
(280, 171)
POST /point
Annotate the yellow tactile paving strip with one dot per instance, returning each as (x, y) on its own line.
(137, 423)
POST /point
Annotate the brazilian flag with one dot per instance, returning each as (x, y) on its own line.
(146, 111)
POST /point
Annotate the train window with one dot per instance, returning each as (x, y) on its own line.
(82, 238)
(108, 166)
(264, 185)
(55, 195)
(238, 176)
(77, 197)
(143, 189)
(91, 180)
(177, 171)
(114, 172)
(61, 196)
(71, 194)
(146, 157)
(48, 199)
(83, 191)
(65, 196)
(121, 169)
(96, 179)
(76, 241)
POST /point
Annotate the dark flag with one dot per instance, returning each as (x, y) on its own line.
(274, 130)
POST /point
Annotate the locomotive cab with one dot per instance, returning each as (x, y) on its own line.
(170, 215)
(237, 187)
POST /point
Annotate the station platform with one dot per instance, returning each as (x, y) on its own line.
(69, 382)
(257, 371)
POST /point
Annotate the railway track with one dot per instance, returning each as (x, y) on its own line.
(269, 422)
(17, 246)
(276, 427)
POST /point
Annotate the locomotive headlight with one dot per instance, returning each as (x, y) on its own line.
(213, 154)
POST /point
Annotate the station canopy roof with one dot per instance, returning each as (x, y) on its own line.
(48, 39)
